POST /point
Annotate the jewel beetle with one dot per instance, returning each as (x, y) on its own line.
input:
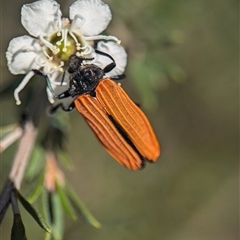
(118, 123)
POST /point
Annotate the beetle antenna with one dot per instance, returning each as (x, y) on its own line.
(105, 54)
(110, 66)
(63, 76)
(87, 59)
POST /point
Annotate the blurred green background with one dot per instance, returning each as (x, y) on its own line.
(183, 70)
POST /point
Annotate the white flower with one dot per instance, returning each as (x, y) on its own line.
(54, 39)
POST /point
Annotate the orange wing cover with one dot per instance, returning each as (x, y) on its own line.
(119, 124)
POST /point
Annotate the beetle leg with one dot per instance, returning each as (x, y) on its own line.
(60, 105)
(110, 66)
(63, 95)
(63, 76)
(118, 77)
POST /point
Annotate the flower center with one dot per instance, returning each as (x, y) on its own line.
(64, 45)
(63, 42)
(60, 45)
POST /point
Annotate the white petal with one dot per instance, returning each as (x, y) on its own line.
(94, 16)
(40, 16)
(117, 52)
(21, 54)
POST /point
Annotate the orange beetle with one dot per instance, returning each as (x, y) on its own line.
(116, 120)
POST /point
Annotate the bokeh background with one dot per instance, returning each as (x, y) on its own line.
(183, 70)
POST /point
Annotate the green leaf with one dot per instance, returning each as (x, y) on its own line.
(57, 217)
(35, 165)
(36, 191)
(47, 236)
(36, 216)
(79, 205)
(18, 229)
(53, 212)
(65, 201)
(65, 159)
(44, 205)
